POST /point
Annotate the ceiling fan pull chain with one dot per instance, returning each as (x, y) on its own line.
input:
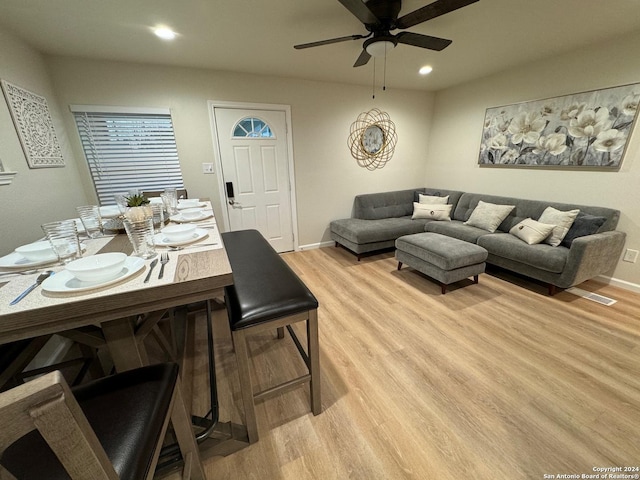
(373, 87)
(384, 74)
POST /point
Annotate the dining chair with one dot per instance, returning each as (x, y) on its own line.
(180, 192)
(16, 356)
(110, 428)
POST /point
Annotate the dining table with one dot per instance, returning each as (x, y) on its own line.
(198, 272)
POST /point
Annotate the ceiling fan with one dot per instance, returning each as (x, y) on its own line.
(380, 17)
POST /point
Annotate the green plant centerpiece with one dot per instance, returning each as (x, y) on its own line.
(139, 208)
(137, 201)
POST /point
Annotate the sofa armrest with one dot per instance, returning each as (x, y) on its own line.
(592, 255)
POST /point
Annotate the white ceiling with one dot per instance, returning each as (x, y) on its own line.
(257, 36)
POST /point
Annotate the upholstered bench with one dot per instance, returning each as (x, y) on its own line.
(443, 258)
(267, 294)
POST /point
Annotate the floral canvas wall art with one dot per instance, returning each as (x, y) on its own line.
(34, 125)
(583, 130)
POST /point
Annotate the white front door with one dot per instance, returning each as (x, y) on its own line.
(253, 149)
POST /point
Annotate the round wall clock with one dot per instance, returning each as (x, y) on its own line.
(372, 139)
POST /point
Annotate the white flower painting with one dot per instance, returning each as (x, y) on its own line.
(589, 129)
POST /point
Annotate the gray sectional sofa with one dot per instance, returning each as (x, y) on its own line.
(380, 218)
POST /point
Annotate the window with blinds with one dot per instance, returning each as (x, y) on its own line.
(128, 149)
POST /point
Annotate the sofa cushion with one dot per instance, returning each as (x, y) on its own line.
(542, 255)
(583, 225)
(456, 229)
(561, 220)
(488, 216)
(432, 199)
(431, 212)
(361, 231)
(531, 231)
(529, 209)
(375, 206)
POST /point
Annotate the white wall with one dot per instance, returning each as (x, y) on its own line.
(37, 195)
(457, 127)
(327, 178)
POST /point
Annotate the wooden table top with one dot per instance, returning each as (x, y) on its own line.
(192, 274)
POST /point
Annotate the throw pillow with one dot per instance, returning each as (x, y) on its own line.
(562, 221)
(531, 231)
(432, 200)
(431, 212)
(583, 225)
(489, 216)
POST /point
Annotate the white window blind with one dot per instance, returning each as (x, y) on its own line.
(128, 149)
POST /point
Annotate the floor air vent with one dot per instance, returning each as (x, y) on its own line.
(594, 297)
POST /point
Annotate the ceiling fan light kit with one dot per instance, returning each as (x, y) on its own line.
(372, 139)
(379, 48)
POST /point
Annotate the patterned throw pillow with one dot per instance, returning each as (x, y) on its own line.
(531, 231)
(432, 200)
(431, 212)
(562, 221)
(489, 216)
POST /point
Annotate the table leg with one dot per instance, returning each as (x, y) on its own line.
(121, 340)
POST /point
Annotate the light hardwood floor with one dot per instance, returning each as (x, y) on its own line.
(490, 381)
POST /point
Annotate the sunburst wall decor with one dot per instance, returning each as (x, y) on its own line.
(372, 139)
(34, 125)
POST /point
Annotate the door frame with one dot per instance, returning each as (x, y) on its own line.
(211, 105)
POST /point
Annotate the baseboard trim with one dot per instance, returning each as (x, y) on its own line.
(616, 282)
(311, 246)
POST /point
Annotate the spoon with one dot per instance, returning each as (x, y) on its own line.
(41, 278)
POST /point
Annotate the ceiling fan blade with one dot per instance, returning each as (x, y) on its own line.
(433, 10)
(361, 11)
(330, 41)
(363, 59)
(423, 41)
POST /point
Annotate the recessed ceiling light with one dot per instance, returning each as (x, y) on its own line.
(427, 69)
(164, 33)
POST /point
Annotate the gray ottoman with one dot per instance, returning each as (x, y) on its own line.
(443, 258)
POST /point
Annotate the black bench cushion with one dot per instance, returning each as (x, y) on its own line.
(126, 411)
(265, 288)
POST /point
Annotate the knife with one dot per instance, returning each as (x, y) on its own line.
(151, 267)
(41, 278)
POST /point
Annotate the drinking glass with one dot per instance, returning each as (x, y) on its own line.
(158, 215)
(63, 237)
(90, 218)
(121, 202)
(170, 200)
(140, 232)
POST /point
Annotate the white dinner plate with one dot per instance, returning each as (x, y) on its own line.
(65, 282)
(184, 207)
(162, 241)
(15, 261)
(109, 211)
(180, 219)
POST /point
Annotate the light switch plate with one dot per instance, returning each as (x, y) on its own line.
(207, 168)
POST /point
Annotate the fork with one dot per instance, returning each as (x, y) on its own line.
(164, 259)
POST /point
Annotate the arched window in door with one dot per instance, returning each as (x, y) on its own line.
(251, 127)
